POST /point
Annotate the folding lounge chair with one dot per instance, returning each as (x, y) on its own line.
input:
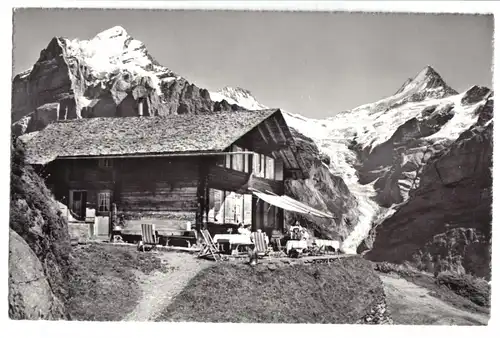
(149, 238)
(209, 249)
(259, 239)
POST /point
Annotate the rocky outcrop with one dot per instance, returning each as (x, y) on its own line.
(396, 164)
(182, 97)
(39, 247)
(47, 82)
(458, 250)
(111, 75)
(30, 293)
(449, 215)
(323, 191)
(378, 314)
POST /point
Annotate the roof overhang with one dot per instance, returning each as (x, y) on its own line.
(275, 137)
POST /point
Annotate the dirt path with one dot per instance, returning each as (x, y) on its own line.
(159, 288)
(411, 304)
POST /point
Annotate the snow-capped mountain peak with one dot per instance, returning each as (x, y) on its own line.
(424, 107)
(427, 79)
(94, 77)
(114, 51)
(112, 32)
(237, 95)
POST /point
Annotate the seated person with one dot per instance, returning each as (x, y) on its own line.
(244, 229)
(304, 235)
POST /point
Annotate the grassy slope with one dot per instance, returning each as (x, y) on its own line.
(340, 292)
(438, 290)
(102, 283)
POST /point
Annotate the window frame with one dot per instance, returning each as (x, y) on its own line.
(270, 172)
(107, 197)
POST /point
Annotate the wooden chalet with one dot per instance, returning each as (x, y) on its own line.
(224, 168)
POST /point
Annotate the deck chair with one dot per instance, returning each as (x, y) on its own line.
(149, 238)
(259, 240)
(209, 249)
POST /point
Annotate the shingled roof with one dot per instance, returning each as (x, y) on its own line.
(141, 135)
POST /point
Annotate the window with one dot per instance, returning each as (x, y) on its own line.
(247, 209)
(256, 164)
(263, 166)
(103, 201)
(246, 161)
(278, 169)
(105, 163)
(228, 161)
(270, 168)
(262, 170)
(231, 208)
(237, 159)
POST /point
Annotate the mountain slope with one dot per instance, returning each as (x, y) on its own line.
(104, 76)
(238, 96)
(453, 204)
(383, 151)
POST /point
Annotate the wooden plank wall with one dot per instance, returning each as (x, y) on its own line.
(158, 185)
(151, 188)
(156, 188)
(88, 171)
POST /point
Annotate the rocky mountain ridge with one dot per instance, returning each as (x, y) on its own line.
(104, 76)
(386, 152)
(366, 164)
(238, 96)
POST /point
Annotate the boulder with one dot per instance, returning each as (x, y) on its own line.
(30, 294)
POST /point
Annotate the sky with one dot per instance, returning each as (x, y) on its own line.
(312, 63)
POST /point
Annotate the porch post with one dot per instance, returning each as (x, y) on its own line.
(202, 193)
(255, 214)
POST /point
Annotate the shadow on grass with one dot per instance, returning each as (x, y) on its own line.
(103, 284)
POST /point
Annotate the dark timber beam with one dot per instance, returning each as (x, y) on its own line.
(275, 119)
(262, 134)
(277, 146)
(286, 161)
(271, 134)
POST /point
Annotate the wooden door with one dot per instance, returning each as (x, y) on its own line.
(78, 203)
(103, 213)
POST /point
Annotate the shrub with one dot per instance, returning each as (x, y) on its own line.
(402, 270)
(476, 289)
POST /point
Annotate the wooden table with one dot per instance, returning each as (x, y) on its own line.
(235, 240)
(294, 244)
